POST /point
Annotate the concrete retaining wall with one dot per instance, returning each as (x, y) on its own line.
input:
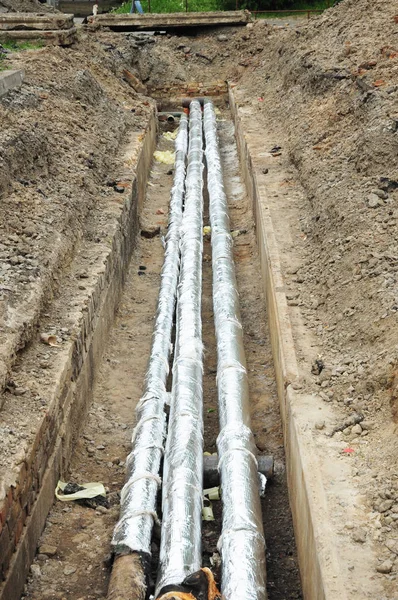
(322, 578)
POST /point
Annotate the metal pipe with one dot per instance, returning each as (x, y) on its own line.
(242, 543)
(138, 497)
(185, 102)
(180, 549)
(176, 115)
(128, 581)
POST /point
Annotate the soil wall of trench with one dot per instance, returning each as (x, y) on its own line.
(76, 145)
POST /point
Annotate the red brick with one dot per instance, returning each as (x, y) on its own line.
(20, 482)
(14, 516)
(25, 490)
(6, 550)
(31, 500)
(20, 526)
(4, 511)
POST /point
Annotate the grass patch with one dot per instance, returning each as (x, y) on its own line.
(171, 6)
(301, 5)
(15, 46)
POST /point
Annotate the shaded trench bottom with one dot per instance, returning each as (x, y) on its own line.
(73, 559)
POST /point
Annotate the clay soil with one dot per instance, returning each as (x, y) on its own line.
(326, 94)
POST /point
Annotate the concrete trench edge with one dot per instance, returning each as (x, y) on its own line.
(321, 575)
(72, 392)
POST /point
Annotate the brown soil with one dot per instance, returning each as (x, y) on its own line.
(326, 93)
(58, 137)
(327, 96)
(24, 6)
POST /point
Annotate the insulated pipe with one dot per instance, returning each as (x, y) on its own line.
(180, 548)
(186, 102)
(138, 497)
(242, 543)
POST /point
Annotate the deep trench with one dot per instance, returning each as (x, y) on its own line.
(73, 560)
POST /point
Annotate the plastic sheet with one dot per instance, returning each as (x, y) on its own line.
(242, 544)
(138, 497)
(180, 550)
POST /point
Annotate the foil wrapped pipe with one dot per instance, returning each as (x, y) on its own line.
(138, 497)
(242, 543)
(180, 548)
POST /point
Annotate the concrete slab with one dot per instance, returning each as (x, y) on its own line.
(60, 37)
(151, 21)
(10, 80)
(320, 575)
(40, 21)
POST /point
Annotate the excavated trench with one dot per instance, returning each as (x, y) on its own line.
(73, 559)
(82, 253)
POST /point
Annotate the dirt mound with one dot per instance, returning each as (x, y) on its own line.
(58, 136)
(332, 85)
(23, 6)
(223, 53)
(327, 92)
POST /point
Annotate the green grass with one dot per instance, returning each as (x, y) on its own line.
(314, 10)
(15, 46)
(299, 5)
(315, 4)
(170, 6)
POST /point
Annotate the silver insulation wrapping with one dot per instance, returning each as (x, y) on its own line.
(180, 549)
(242, 544)
(138, 497)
